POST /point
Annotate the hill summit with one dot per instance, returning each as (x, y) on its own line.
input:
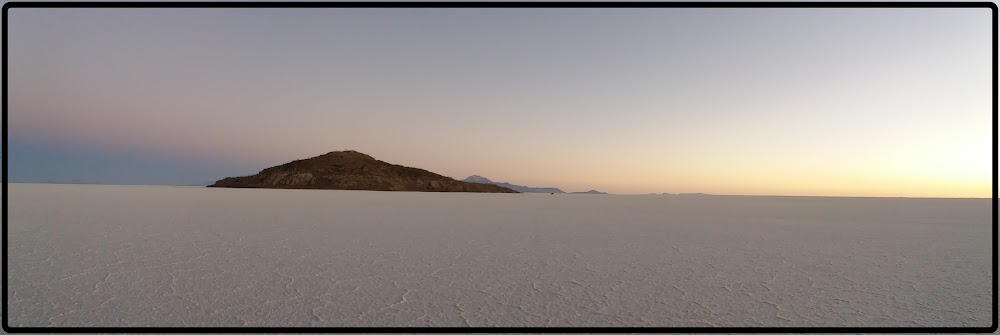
(352, 170)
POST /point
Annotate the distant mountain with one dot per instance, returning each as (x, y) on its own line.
(352, 170)
(589, 192)
(478, 180)
(523, 189)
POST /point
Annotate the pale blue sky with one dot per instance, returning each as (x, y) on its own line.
(736, 101)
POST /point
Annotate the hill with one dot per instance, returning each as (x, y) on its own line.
(352, 170)
(523, 189)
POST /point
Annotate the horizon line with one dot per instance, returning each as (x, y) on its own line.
(684, 194)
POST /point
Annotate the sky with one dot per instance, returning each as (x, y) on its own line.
(839, 102)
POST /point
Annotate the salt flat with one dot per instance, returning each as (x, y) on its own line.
(88, 255)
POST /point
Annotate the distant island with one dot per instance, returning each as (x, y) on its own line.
(352, 170)
(523, 189)
(590, 192)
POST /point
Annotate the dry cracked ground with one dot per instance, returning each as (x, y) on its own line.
(86, 255)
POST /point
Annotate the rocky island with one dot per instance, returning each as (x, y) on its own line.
(352, 170)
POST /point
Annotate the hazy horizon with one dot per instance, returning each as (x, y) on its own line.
(822, 102)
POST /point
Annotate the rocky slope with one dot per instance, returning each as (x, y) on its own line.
(352, 170)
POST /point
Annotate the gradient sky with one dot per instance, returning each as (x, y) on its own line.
(860, 102)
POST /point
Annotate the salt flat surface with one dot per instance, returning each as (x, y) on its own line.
(88, 255)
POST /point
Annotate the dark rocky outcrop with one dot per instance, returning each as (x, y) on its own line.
(352, 170)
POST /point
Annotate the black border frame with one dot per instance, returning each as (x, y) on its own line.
(297, 4)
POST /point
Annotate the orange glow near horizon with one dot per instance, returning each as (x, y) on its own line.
(839, 102)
